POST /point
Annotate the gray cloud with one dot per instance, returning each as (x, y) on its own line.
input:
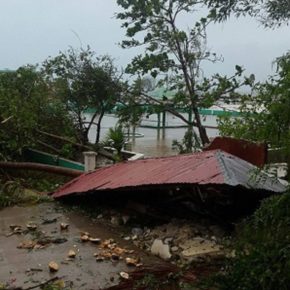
(32, 30)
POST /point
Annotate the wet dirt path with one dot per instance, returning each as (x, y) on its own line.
(25, 268)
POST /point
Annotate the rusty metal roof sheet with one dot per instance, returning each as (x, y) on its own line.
(211, 167)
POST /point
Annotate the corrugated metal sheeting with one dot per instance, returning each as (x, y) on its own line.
(206, 168)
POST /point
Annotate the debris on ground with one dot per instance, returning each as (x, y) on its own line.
(31, 226)
(64, 226)
(32, 256)
(160, 249)
(53, 266)
(71, 254)
(124, 275)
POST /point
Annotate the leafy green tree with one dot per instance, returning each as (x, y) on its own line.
(174, 55)
(265, 115)
(25, 107)
(132, 106)
(84, 81)
(271, 13)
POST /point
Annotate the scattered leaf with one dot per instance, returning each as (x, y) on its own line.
(99, 258)
(31, 226)
(119, 251)
(53, 266)
(26, 245)
(131, 262)
(71, 254)
(12, 227)
(84, 238)
(124, 275)
(95, 240)
(64, 226)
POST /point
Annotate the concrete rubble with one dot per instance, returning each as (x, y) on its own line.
(178, 241)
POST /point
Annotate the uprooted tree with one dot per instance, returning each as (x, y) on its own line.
(84, 81)
(174, 55)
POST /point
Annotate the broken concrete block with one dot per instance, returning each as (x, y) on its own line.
(160, 249)
(199, 246)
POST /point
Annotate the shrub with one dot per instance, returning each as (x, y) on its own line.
(262, 249)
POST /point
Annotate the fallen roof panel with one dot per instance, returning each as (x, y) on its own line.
(210, 167)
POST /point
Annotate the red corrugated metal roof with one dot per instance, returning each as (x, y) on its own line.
(211, 167)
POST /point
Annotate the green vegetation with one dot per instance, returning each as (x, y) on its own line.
(13, 192)
(190, 143)
(116, 139)
(271, 13)
(43, 107)
(26, 106)
(174, 56)
(82, 80)
(262, 252)
(265, 114)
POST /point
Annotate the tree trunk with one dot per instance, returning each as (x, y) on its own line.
(190, 86)
(201, 129)
(41, 167)
(98, 135)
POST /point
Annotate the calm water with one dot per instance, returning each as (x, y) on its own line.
(155, 142)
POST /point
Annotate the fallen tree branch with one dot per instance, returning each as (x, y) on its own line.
(6, 120)
(81, 146)
(41, 167)
(49, 147)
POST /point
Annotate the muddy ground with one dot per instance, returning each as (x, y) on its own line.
(24, 268)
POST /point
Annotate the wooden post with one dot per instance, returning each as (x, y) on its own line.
(158, 120)
(163, 119)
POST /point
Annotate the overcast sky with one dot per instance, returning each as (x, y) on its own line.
(32, 30)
